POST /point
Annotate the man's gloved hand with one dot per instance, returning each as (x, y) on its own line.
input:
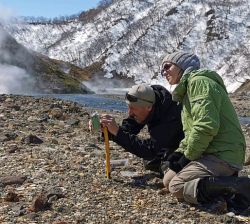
(174, 157)
(159, 164)
(171, 160)
(153, 165)
(164, 166)
(177, 166)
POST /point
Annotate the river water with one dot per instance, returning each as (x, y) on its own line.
(105, 102)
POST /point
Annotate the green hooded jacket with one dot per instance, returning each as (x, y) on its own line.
(210, 123)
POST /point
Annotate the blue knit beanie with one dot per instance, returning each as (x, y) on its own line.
(186, 61)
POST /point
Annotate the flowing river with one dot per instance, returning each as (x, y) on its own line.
(106, 102)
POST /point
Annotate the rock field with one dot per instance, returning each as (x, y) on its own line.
(52, 170)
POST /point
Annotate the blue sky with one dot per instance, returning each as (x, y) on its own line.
(47, 8)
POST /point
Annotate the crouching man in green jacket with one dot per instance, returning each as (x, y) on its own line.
(206, 164)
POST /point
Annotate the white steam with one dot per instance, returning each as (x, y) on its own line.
(102, 85)
(6, 14)
(13, 79)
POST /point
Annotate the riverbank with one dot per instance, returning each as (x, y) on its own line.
(53, 171)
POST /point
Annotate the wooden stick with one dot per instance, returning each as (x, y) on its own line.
(106, 138)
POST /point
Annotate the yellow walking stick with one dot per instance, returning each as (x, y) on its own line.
(106, 139)
(95, 120)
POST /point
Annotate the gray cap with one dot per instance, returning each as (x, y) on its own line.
(183, 60)
(142, 95)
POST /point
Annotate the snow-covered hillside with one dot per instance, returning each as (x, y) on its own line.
(130, 37)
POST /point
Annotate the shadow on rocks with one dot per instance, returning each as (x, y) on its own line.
(145, 181)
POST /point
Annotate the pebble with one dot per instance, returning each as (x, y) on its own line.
(11, 180)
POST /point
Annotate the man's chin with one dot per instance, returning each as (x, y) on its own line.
(138, 121)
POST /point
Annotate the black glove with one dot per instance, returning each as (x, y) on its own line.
(164, 166)
(153, 165)
(177, 166)
(174, 157)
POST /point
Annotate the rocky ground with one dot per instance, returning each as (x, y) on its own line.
(52, 170)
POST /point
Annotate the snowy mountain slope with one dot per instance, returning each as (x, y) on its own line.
(130, 37)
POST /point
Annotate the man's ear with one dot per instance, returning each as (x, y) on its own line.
(149, 108)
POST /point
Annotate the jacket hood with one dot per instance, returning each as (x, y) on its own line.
(212, 75)
(163, 103)
(181, 89)
(163, 97)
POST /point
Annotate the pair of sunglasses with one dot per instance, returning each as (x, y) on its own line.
(165, 68)
(132, 98)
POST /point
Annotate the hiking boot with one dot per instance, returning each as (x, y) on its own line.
(235, 190)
